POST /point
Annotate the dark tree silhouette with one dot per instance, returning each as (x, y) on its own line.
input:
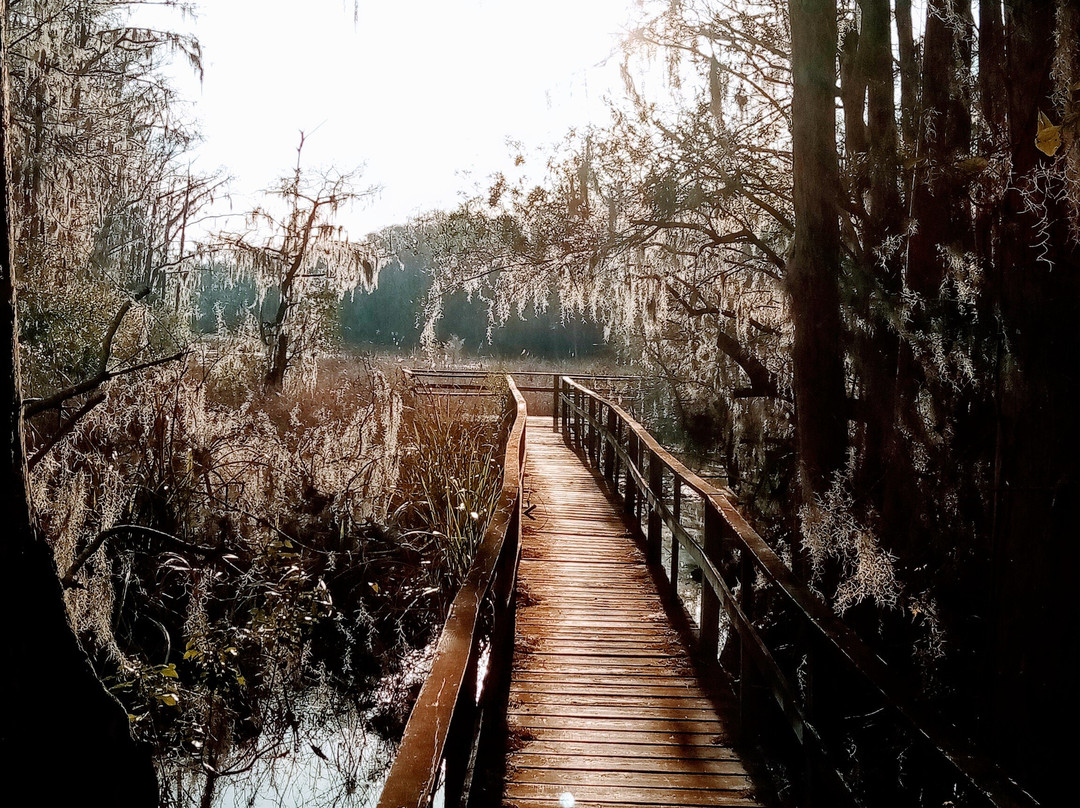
(58, 718)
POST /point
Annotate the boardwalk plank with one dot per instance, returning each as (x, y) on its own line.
(604, 701)
(700, 711)
(628, 753)
(529, 701)
(548, 685)
(547, 794)
(666, 780)
(614, 763)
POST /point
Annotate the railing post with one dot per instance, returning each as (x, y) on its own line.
(583, 423)
(459, 740)
(709, 638)
(618, 457)
(555, 402)
(571, 413)
(673, 568)
(639, 461)
(578, 420)
(630, 495)
(823, 694)
(656, 488)
(496, 695)
(593, 433)
(564, 404)
(747, 670)
(609, 447)
(635, 461)
(568, 412)
(811, 781)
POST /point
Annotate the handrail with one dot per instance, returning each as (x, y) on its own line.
(441, 379)
(454, 711)
(467, 383)
(475, 372)
(610, 439)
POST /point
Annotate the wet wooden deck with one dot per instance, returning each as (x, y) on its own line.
(605, 708)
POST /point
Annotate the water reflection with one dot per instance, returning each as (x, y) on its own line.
(344, 765)
(331, 757)
(327, 761)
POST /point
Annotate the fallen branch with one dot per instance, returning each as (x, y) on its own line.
(68, 581)
(64, 429)
(36, 406)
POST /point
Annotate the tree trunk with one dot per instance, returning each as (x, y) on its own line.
(279, 358)
(1036, 551)
(853, 94)
(879, 345)
(909, 72)
(938, 205)
(57, 715)
(992, 80)
(943, 230)
(813, 269)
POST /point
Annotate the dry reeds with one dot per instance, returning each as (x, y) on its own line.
(452, 475)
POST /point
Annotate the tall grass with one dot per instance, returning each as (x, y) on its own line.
(451, 475)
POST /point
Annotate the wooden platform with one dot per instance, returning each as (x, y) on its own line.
(605, 708)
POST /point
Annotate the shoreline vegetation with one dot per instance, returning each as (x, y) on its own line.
(273, 562)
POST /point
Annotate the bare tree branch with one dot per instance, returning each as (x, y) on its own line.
(68, 581)
(32, 407)
(64, 430)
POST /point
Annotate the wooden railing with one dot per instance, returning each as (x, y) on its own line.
(745, 581)
(462, 703)
(540, 387)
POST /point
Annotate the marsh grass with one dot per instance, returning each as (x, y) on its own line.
(451, 475)
(251, 558)
(261, 560)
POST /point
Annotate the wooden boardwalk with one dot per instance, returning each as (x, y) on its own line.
(605, 708)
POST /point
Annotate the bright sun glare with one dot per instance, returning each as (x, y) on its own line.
(425, 94)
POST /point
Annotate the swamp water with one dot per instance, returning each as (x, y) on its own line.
(332, 758)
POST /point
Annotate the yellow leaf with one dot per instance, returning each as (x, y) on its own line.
(971, 166)
(1048, 138)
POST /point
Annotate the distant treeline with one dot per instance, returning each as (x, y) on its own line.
(391, 317)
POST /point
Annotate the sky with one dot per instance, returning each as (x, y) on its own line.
(423, 95)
